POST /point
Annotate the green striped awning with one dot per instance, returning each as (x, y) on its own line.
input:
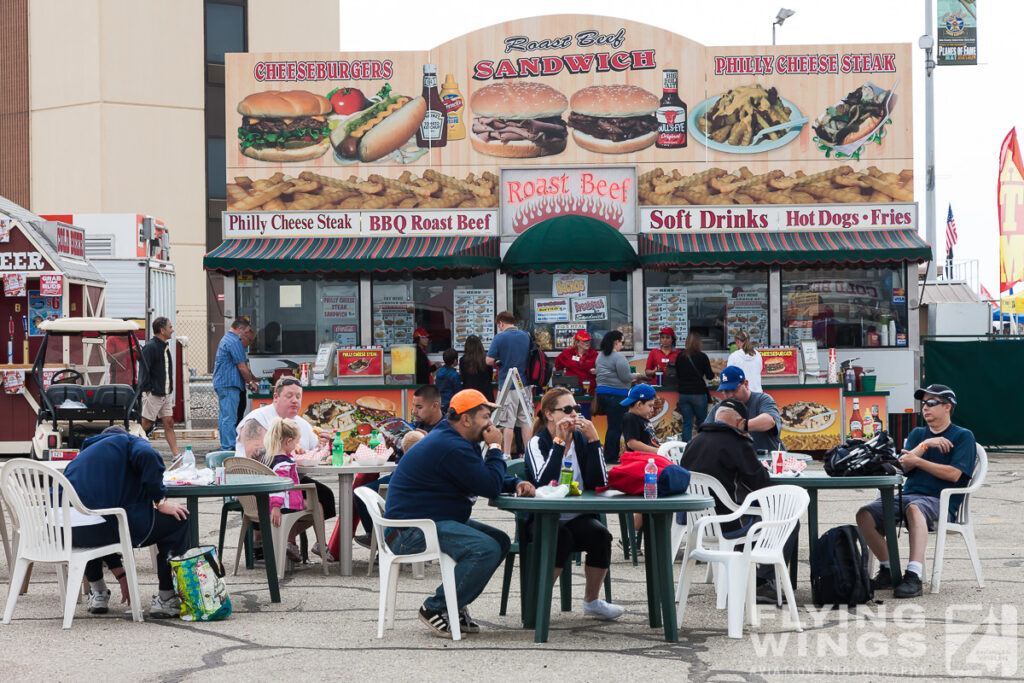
(795, 248)
(355, 255)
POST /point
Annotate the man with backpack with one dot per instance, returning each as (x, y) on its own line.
(509, 349)
(934, 458)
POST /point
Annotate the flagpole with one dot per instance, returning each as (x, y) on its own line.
(926, 42)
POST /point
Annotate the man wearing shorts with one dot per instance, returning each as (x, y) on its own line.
(158, 399)
(510, 348)
(935, 457)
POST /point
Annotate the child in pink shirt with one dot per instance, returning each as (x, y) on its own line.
(281, 440)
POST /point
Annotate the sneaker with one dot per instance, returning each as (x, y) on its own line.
(882, 580)
(362, 540)
(436, 622)
(98, 601)
(909, 588)
(766, 593)
(601, 609)
(325, 555)
(292, 553)
(466, 623)
(165, 609)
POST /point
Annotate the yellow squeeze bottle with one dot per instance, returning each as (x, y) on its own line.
(454, 106)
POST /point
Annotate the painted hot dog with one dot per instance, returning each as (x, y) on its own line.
(380, 129)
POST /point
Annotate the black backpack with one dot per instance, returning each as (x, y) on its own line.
(538, 366)
(839, 568)
(859, 458)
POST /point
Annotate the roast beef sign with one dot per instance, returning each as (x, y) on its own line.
(533, 195)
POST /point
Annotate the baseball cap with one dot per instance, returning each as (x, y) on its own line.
(668, 330)
(940, 390)
(731, 378)
(736, 405)
(420, 332)
(641, 392)
(467, 399)
(581, 335)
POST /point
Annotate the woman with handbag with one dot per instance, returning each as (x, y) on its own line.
(658, 359)
(693, 368)
(613, 382)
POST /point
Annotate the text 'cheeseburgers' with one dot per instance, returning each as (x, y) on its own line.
(518, 119)
(284, 126)
(614, 119)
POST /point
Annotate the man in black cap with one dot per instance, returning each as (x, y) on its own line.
(723, 450)
(934, 458)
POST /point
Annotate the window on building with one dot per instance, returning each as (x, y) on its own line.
(715, 303)
(449, 309)
(845, 308)
(216, 168)
(554, 306)
(293, 314)
(225, 30)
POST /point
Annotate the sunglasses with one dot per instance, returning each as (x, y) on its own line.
(569, 410)
(932, 402)
(289, 383)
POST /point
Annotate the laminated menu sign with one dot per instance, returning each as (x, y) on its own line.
(393, 315)
(779, 361)
(474, 314)
(592, 308)
(748, 312)
(40, 309)
(14, 284)
(666, 307)
(51, 285)
(569, 285)
(800, 330)
(344, 334)
(550, 310)
(360, 362)
(339, 313)
(14, 381)
(565, 334)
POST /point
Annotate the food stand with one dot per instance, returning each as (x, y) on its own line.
(46, 276)
(538, 196)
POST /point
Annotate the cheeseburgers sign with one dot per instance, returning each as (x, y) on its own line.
(697, 125)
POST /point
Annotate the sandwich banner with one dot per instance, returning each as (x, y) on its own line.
(1010, 197)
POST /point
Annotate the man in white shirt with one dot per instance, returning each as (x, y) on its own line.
(254, 426)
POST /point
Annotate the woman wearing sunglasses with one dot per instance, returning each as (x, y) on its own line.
(562, 435)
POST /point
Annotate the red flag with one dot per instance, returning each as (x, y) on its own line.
(1010, 199)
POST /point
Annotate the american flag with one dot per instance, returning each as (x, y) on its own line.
(950, 232)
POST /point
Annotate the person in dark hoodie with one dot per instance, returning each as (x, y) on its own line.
(116, 469)
(440, 479)
(724, 451)
(562, 435)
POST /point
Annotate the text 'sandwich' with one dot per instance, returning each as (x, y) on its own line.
(284, 126)
(518, 120)
(614, 119)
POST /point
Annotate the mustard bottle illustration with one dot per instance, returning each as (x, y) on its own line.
(454, 105)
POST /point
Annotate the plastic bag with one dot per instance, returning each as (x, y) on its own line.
(560, 491)
(199, 582)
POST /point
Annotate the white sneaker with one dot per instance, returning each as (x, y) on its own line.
(98, 601)
(601, 609)
(165, 609)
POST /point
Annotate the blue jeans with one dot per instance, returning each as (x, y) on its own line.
(692, 406)
(227, 416)
(614, 412)
(478, 551)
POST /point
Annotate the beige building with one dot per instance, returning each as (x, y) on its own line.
(117, 106)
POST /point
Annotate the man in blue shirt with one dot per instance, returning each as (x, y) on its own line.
(938, 457)
(509, 349)
(439, 479)
(764, 423)
(231, 374)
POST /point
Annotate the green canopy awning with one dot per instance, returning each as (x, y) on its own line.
(355, 255)
(795, 248)
(570, 244)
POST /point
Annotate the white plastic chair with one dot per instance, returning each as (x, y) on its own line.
(963, 524)
(278, 534)
(780, 508)
(41, 499)
(673, 450)
(390, 562)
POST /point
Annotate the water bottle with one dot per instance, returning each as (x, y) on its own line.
(264, 386)
(374, 439)
(188, 459)
(651, 480)
(338, 450)
(566, 475)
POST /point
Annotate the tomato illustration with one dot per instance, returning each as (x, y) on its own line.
(347, 100)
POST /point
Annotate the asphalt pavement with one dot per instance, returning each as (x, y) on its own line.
(327, 626)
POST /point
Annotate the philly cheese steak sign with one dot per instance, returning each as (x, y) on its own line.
(269, 224)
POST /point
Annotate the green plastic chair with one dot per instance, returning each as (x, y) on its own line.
(517, 468)
(213, 461)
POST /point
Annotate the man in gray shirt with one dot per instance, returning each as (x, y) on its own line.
(764, 422)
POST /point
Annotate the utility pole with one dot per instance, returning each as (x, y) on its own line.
(926, 42)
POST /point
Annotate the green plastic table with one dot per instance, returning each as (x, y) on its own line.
(812, 481)
(539, 561)
(258, 485)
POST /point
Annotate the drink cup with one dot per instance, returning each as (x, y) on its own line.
(657, 378)
(777, 458)
(220, 476)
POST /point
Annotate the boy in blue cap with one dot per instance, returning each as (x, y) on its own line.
(637, 430)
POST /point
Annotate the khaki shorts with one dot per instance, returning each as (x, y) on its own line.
(510, 414)
(154, 407)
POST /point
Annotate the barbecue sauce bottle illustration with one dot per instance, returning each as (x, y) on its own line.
(671, 113)
(454, 107)
(433, 131)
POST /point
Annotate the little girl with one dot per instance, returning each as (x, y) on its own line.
(280, 441)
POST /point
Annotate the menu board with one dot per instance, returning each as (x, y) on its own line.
(666, 307)
(360, 362)
(393, 315)
(338, 313)
(591, 308)
(474, 314)
(569, 285)
(565, 334)
(550, 310)
(748, 312)
(779, 361)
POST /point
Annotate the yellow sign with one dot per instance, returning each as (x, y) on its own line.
(403, 359)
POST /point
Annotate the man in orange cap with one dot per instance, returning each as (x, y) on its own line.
(439, 479)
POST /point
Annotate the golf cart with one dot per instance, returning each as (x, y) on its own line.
(96, 386)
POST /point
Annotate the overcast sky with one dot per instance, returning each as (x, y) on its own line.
(975, 106)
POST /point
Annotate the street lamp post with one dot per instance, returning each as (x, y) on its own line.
(780, 18)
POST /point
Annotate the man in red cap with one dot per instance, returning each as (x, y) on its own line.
(439, 479)
(424, 368)
(659, 358)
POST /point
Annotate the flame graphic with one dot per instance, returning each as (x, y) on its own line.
(543, 208)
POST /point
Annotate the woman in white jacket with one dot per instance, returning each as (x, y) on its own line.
(747, 358)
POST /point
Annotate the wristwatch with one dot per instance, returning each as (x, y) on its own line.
(161, 502)
(491, 446)
(559, 440)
